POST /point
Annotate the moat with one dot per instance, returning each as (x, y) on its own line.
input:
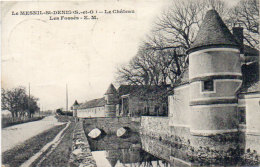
(113, 151)
(136, 150)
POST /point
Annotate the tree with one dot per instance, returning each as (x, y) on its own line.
(161, 58)
(12, 100)
(152, 67)
(246, 15)
(30, 105)
(18, 102)
(177, 27)
(138, 71)
(59, 111)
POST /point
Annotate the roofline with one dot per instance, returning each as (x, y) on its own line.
(189, 51)
(250, 92)
(181, 84)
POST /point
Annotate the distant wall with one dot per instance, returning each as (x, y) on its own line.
(110, 125)
(156, 127)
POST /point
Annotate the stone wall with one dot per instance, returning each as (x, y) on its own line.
(180, 135)
(156, 127)
(110, 125)
(81, 154)
(179, 109)
(110, 110)
(252, 113)
(111, 98)
(252, 121)
(156, 147)
(252, 143)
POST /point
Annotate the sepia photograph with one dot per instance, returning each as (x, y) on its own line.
(123, 83)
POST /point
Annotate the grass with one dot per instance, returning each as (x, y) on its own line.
(9, 121)
(61, 154)
(19, 154)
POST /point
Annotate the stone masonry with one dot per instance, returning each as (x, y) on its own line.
(81, 155)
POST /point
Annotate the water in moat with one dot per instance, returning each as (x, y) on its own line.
(142, 151)
(111, 151)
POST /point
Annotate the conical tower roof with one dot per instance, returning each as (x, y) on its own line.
(111, 90)
(213, 32)
(76, 103)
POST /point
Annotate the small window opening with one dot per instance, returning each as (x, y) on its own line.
(242, 115)
(208, 85)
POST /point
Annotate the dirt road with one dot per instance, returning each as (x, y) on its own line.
(14, 135)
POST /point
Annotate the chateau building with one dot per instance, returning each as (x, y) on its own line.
(102, 107)
(127, 100)
(219, 92)
(217, 97)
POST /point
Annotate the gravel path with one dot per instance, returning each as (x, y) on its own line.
(53, 144)
(14, 135)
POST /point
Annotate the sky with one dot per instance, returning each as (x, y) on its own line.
(84, 54)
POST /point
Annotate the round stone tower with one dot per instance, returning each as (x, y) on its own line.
(74, 108)
(111, 98)
(215, 77)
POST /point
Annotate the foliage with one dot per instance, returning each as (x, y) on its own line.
(64, 118)
(161, 58)
(246, 15)
(61, 112)
(152, 67)
(177, 27)
(18, 102)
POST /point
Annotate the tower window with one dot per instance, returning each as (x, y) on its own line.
(208, 85)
